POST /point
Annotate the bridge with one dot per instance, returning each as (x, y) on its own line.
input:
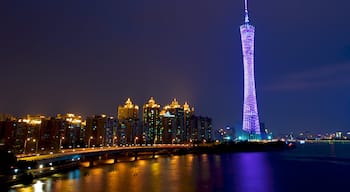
(73, 157)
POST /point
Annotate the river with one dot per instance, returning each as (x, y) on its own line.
(309, 167)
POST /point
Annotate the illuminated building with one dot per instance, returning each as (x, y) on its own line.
(100, 130)
(151, 122)
(251, 123)
(176, 122)
(168, 126)
(201, 129)
(8, 125)
(225, 134)
(128, 120)
(73, 128)
(52, 131)
(188, 113)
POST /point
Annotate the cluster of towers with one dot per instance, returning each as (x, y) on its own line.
(174, 123)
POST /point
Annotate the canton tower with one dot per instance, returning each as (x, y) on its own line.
(251, 123)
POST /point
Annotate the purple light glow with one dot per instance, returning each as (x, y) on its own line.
(251, 122)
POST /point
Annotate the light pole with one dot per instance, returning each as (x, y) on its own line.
(101, 141)
(135, 140)
(114, 138)
(25, 145)
(36, 146)
(89, 141)
(60, 145)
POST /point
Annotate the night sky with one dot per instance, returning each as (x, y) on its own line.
(88, 57)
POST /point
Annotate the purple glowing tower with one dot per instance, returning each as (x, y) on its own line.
(251, 123)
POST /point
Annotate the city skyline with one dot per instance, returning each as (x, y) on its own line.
(88, 57)
(127, 103)
(172, 124)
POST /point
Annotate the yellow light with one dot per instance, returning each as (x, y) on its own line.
(70, 115)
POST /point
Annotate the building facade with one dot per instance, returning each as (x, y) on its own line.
(101, 131)
(176, 122)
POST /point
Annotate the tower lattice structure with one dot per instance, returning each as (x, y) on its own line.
(251, 123)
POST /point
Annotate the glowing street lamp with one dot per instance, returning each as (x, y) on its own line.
(25, 145)
(135, 140)
(36, 145)
(60, 145)
(101, 141)
(90, 141)
(114, 139)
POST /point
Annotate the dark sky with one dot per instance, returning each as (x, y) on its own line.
(87, 57)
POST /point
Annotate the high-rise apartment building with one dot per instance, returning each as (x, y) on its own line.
(152, 132)
(100, 131)
(73, 127)
(128, 122)
(176, 122)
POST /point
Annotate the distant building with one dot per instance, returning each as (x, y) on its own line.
(201, 129)
(205, 129)
(8, 129)
(265, 133)
(152, 132)
(74, 130)
(225, 134)
(168, 127)
(176, 122)
(53, 133)
(100, 131)
(128, 122)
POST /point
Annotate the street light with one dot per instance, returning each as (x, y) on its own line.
(60, 146)
(90, 141)
(36, 145)
(135, 140)
(25, 145)
(101, 141)
(114, 138)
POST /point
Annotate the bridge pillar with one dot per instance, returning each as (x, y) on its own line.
(115, 159)
(135, 156)
(153, 154)
(91, 163)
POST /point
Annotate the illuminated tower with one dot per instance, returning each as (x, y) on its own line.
(250, 110)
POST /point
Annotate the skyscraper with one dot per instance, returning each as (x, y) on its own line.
(151, 121)
(251, 123)
(128, 122)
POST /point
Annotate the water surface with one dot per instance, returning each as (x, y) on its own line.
(310, 167)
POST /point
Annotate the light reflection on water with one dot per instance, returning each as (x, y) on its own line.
(171, 174)
(253, 173)
(238, 172)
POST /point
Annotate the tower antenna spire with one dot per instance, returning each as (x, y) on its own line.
(246, 17)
